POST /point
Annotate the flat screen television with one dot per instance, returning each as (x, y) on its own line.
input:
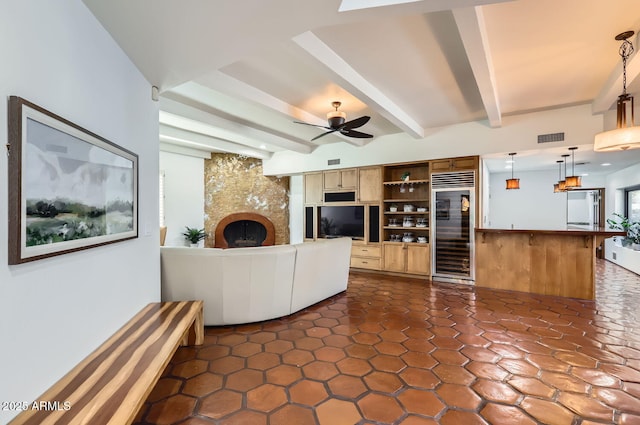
(338, 221)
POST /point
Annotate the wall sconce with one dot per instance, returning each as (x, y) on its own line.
(513, 183)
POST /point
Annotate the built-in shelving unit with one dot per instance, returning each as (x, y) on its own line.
(406, 189)
(405, 226)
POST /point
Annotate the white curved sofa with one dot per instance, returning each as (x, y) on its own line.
(244, 285)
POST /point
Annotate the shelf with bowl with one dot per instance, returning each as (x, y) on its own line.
(406, 247)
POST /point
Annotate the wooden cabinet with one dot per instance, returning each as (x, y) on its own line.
(366, 256)
(370, 184)
(313, 188)
(454, 164)
(397, 201)
(346, 178)
(418, 259)
(410, 258)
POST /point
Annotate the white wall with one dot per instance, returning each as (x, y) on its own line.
(53, 312)
(184, 195)
(534, 205)
(615, 185)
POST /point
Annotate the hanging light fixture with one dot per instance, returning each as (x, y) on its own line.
(513, 183)
(627, 134)
(556, 187)
(562, 184)
(336, 118)
(573, 181)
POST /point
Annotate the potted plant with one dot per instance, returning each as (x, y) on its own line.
(634, 234)
(194, 235)
(393, 207)
(632, 228)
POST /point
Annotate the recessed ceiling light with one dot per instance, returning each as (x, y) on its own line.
(263, 146)
(605, 164)
(509, 161)
(508, 167)
(584, 174)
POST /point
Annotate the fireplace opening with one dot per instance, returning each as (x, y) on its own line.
(244, 233)
(244, 230)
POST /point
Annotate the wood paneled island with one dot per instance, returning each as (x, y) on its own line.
(549, 262)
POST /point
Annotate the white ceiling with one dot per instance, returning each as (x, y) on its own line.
(234, 74)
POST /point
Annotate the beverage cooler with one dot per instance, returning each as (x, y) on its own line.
(452, 226)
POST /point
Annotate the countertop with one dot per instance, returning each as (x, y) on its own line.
(569, 231)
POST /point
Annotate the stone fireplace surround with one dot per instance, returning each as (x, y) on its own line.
(236, 218)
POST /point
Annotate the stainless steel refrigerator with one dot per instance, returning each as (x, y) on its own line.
(452, 226)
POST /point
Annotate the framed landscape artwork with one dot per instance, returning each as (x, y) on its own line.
(69, 189)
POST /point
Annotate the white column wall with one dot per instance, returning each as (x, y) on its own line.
(184, 195)
(53, 312)
(296, 209)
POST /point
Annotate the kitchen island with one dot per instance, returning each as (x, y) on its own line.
(549, 262)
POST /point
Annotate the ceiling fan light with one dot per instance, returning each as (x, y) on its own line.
(336, 118)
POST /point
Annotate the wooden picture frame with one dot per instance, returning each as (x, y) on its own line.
(69, 189)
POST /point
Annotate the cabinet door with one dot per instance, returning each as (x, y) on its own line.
(349, 178)
(370, 180)
(331, 179)
(464, 163)
(394, 257)
(440, 165)
(418, 259)
(313, 188)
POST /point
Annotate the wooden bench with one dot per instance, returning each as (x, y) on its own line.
(111, 384)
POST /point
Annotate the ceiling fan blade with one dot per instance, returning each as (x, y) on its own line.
(313, 125)
(324, 134)
(357, 134)
(358, 122)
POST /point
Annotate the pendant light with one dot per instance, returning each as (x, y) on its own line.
(556, 187)
(562, 184)
(513, 183)
(573, 181)
(627, 134)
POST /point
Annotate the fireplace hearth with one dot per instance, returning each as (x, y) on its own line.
(241, 230)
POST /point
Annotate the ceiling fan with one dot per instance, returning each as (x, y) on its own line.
(338, 122)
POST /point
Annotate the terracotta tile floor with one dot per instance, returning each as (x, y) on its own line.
(401, 351)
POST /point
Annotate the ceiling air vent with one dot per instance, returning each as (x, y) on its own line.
(333, 162)
(551, 137)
